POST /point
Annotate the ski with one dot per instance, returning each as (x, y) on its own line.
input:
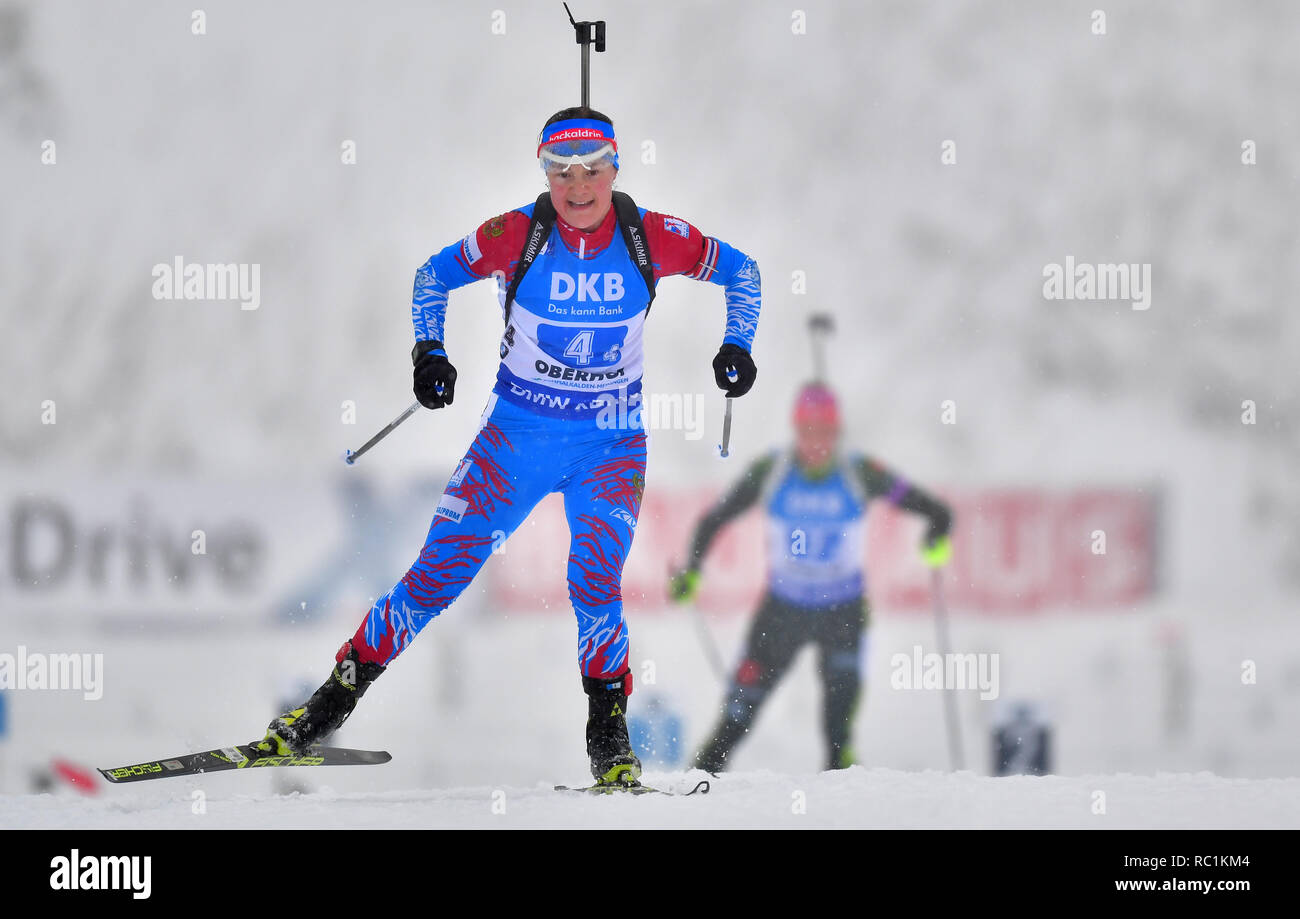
(637, 789)
(243, 756)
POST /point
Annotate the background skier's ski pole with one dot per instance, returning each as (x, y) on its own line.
(588, 34)
(682, 587)
(351, 456)
(710, 646)
(949, 700)
(820, 325)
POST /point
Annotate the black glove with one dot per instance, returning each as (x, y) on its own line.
(736, 358)
(435, 378)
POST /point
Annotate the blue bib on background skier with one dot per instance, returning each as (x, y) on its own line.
(815, 534)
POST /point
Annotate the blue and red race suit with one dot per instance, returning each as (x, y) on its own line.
(571, 351)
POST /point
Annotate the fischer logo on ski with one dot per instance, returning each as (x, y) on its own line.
(241, 757)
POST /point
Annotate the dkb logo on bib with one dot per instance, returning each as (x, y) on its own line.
(563, 286)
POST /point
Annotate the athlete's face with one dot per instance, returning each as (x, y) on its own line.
(815, 442)
(582, 195)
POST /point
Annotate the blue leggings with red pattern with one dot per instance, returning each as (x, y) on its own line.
(517, 459)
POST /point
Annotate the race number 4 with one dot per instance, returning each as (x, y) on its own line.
(580, 348)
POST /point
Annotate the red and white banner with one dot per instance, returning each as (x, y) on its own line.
(183, 553)
(1014, 552)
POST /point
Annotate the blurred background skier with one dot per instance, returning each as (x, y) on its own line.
(576, 271)
(814, 497)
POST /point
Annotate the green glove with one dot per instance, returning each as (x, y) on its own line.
(938, 552)
(683, 586)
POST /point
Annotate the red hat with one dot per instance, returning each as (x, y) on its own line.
(816, 403)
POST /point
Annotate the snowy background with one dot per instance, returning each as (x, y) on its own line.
(816, 153)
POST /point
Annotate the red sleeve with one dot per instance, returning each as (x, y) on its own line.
(495, 246)
(675, 245)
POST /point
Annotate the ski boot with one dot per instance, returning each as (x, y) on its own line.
(714, 756)
(841, 758)
(320, 716)
(712, 759)
(612, 759)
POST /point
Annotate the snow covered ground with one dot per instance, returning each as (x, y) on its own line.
(467, 736)
(854, 798)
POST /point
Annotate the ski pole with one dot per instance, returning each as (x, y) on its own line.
(705, 636)
(726, 431)
(949, 700)
(710, 646)
(351, 456)
(819, 324)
